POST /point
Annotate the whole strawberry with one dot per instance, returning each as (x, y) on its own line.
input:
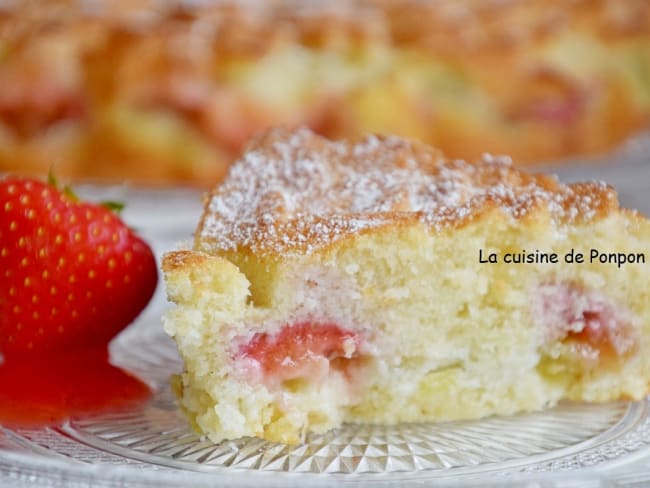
(72, 275)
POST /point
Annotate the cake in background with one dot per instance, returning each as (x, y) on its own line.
(168, 91)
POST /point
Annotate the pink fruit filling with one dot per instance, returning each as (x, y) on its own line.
(303, 350)
(594, 324)
(561, 111)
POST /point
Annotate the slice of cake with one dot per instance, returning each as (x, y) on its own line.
(333, 282)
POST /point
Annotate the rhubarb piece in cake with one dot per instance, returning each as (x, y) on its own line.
(335, 282)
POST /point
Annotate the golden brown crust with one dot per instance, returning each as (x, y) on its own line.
(495, 26)
(492, 24)
(181, 260)
(294, 191)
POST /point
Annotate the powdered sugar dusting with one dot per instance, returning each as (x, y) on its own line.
(296, 191)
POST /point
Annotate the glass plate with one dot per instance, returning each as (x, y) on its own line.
(152, 445)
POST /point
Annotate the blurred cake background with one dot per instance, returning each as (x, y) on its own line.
(167, 92)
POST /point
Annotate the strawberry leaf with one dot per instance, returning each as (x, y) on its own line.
(114, 206)
(51, 178)
(70, 194)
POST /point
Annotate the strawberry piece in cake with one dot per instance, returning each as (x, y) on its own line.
(301, 350)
